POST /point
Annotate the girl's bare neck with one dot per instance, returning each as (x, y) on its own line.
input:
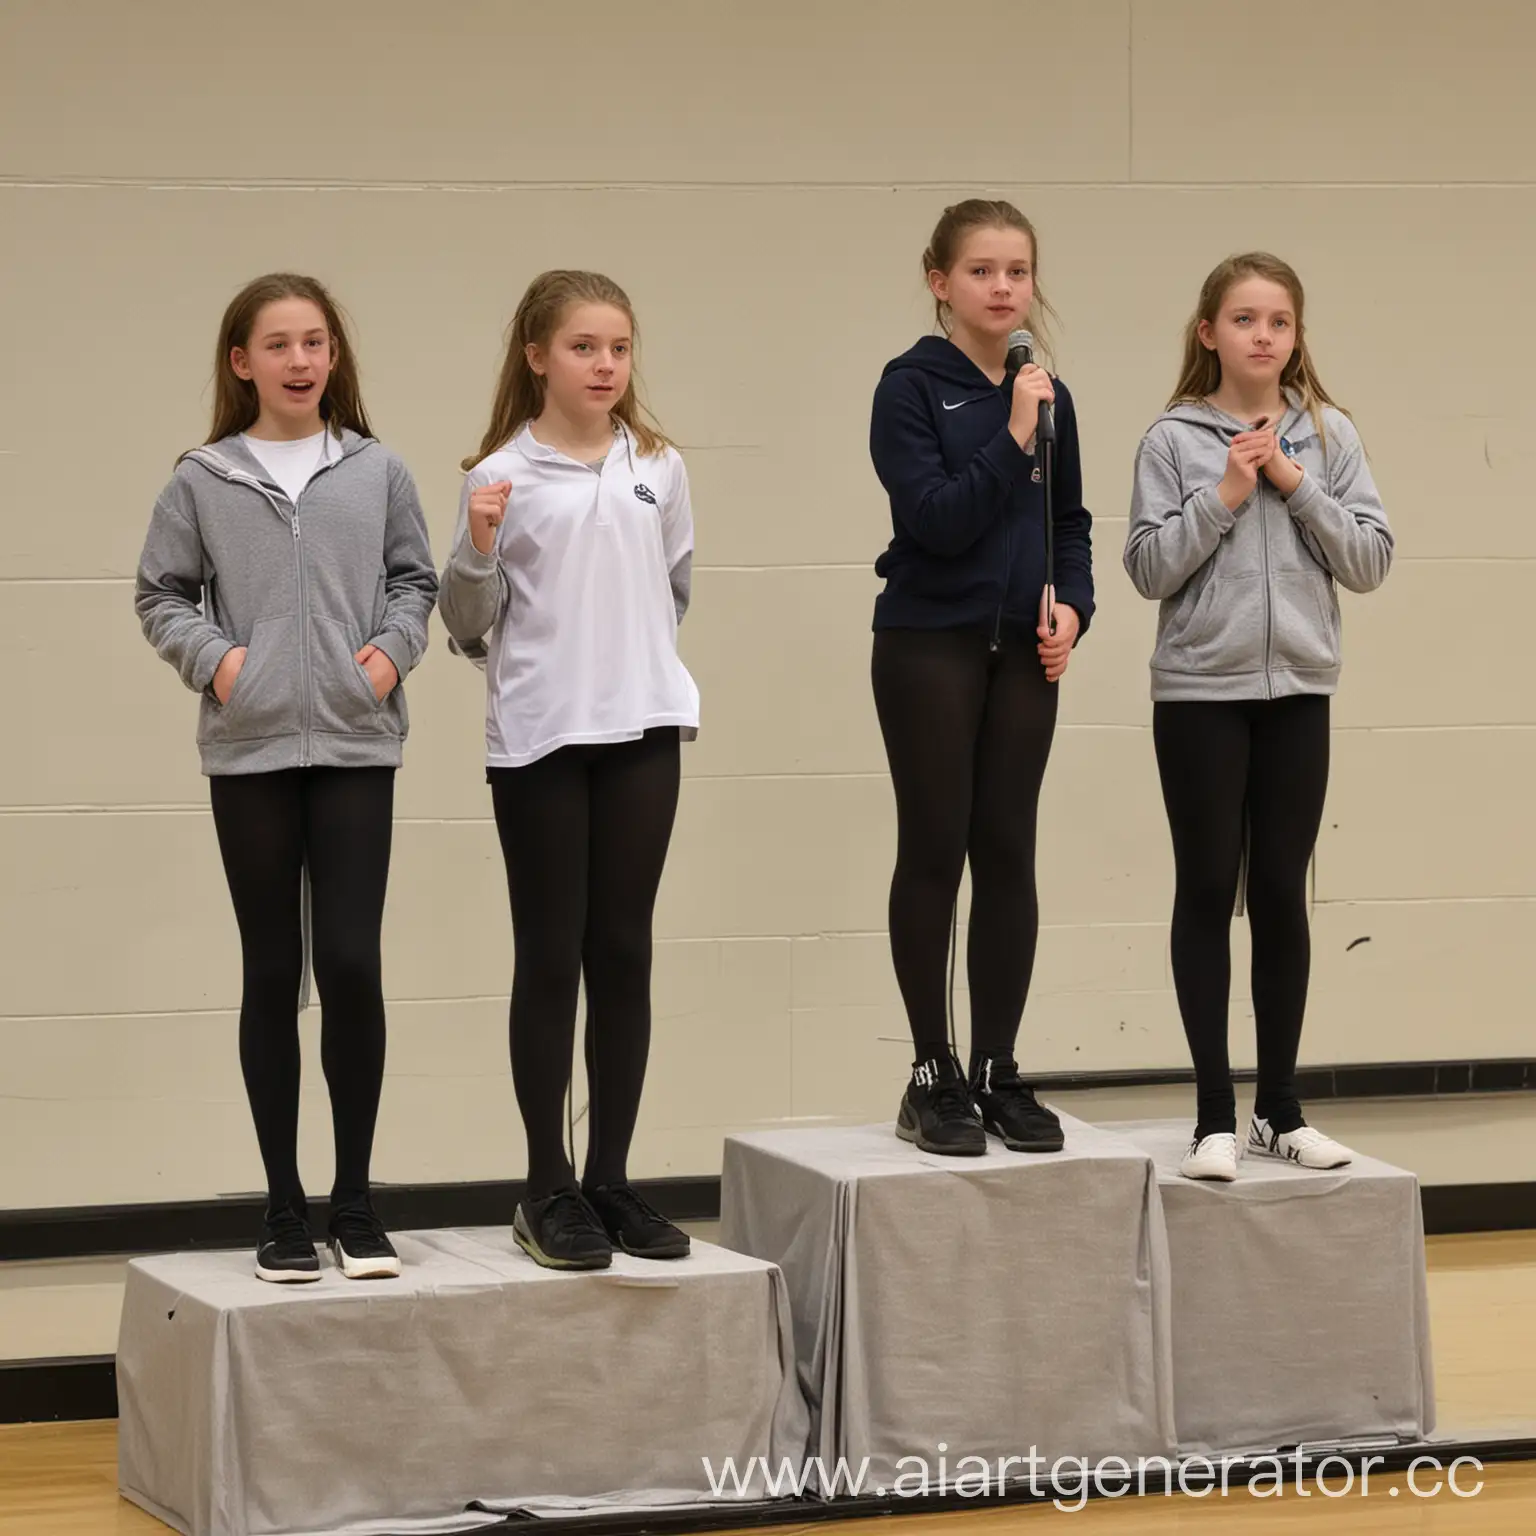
(1248, 405)
(584, 440)
(266, 430)
(989, 353)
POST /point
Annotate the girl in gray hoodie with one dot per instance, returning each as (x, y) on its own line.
(288, 579)
(1253, 501)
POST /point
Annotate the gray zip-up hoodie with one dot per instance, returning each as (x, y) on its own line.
(1248, 606)
(229, 561)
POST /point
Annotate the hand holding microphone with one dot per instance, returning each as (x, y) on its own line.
(1033, 393)
(1032, 397)
(487, 508)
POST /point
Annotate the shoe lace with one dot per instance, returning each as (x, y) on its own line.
(285, 1225)
(1306, 1136)
(951, 1099)
(356, 1220)
(1004, 1082)
(1217, 1141)
(633, 1203)
(569, 1212)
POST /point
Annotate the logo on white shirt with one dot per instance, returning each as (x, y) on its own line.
(646, 494)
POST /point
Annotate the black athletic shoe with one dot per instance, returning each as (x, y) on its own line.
(286, 1255)
(936, 1111)
(562, 1231)
(1008, 1108)
(360, 1246)
(635, 1225)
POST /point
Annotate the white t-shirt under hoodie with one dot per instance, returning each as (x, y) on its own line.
(581, 596)
(290, 464)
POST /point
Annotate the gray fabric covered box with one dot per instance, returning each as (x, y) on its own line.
(477, 1377)
(1300, 1311)
(995, 1305)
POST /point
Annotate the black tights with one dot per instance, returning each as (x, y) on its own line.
(336, 824)
(584, 832)
(967, 732)
(1262, 765)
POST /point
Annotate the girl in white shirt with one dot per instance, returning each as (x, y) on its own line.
(567, 580)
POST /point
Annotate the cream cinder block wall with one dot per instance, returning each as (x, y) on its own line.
(762, 179)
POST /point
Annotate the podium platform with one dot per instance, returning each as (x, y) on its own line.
(474, 1385)
(990, 1305)
(1300, 1310)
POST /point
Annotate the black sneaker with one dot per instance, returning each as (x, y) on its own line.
(562, 1231)
(360, 1246)
(634, 1224)
(936, 1111)
(286, 1255)
(1008, 1108)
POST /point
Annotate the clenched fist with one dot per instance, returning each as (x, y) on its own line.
(487, 507)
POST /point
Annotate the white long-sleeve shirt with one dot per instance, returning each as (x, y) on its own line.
(575, 611)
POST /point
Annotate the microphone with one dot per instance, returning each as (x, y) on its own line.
(1021, 350)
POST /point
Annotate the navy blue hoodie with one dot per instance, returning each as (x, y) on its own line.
(968, 514)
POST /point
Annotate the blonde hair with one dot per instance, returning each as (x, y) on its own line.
(520, 391)
(1200, 375)
(961, 219)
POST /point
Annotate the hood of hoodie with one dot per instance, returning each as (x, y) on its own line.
(939, 356)
(231, 460)
(1205, 430)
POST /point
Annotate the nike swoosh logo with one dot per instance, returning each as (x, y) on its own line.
(958, 403)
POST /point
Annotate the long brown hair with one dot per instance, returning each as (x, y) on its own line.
(1200, 375)
(235, 406)
(959, 220)
(520, 391)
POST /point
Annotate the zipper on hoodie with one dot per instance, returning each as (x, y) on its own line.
(1269, 614)
(305, 701)
(298, 560)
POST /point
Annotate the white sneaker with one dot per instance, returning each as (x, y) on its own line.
(1211, 1157)
(1305, 1146)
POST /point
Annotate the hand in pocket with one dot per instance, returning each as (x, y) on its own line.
(380, 669)
(229, 669)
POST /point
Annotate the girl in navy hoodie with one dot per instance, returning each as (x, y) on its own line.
(965, 666)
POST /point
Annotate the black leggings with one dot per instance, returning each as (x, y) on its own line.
(967, 733)
(1263, 766)
(336, 824)
(584, 833)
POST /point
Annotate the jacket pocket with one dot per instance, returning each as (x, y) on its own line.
(342, 693)
(1306, 621)
(1219, 629)
(264, 701)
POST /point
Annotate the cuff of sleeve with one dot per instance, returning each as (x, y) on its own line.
(1006, 457)
(207, 663)
(395, 646)
(471, 562)
(1081, 603)
(1304, 498)
(1212, 506)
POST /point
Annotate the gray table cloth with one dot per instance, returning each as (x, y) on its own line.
(475, 1378)
(1300, 1311)
(994, 1305)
